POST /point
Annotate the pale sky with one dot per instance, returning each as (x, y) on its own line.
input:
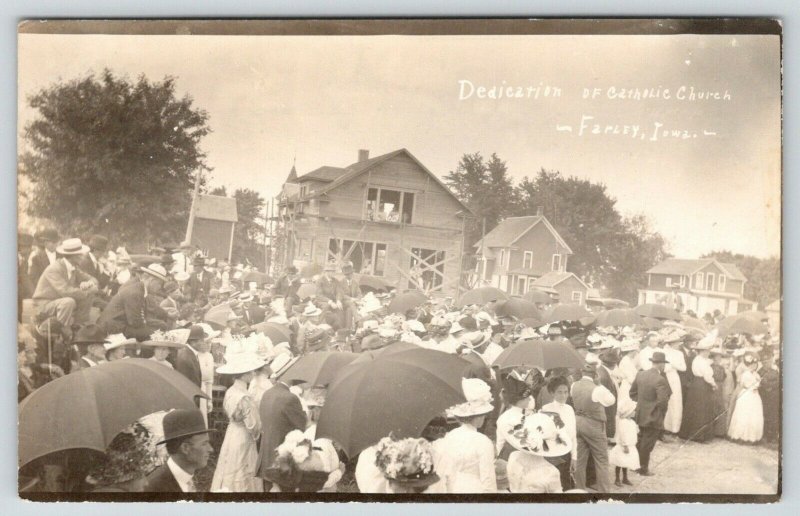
(270, 98)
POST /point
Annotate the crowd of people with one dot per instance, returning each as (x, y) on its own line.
(520, 430)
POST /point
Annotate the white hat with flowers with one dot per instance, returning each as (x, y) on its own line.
(479, 399)
(540, 433)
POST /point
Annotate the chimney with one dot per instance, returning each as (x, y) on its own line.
(539, 211)
(363, 155)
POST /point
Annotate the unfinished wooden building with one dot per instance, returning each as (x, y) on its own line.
(388, 215)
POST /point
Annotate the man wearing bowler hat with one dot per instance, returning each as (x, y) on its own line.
(650, 390)
(199, 282)
(43, 255)
(188, 446)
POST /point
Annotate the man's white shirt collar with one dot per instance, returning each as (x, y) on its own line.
(183, 478)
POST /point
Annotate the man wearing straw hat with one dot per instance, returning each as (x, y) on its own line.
(63, 290)
(126, 313)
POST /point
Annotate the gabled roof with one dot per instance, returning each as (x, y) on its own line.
(292, 177)
(216, 207)
(684, 267)
(553, 278)
(508, 231)
(356, 169)
(325, 174)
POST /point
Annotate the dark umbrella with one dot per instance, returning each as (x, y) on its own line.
(618, 317)
(277, 333)
(258, 277)
(740, 324)
(658, 312)
(217, 316)
(537, 296)
(517, 307)
(532, 322)
(369, 283)
(481, 296)
(396, 393)
(692, 322)
(143, 260)
(402, 303)
(86, 409)
(319, 368)
(651, 323)
(567, 312)
(310, 270)
(544, 354)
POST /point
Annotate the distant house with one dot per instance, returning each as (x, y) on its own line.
(215, 218)
(518, 251)
(703, 286)
(389, 215)
(570, 288)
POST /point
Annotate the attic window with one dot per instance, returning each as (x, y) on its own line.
(389, 206)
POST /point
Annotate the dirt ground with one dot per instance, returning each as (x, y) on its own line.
(716, 467)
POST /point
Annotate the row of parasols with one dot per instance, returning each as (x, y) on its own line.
(398, 389)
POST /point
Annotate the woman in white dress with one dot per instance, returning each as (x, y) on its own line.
(675, 364)
(628, 366)
(559, 387)
(535, 437)
(464, 457)
(236, 464)
(747, 421)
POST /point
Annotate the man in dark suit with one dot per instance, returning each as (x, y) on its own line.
(251, 312)
(350, 292)
(199, 282)
(608, 360)
(188, 446)
(651, 392)
(90, 262)
(186, 361)
(280, 412)
(127, 312)
(43, 255)
(287, 286)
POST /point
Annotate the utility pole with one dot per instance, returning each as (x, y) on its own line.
(192, 209)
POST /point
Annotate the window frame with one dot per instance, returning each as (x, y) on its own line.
(552, 262)
(722, 283)
(700, 278)
(526, 263)
(373, 255)
(668, 281)
(400, 206)
(712, 279)
(580, 296)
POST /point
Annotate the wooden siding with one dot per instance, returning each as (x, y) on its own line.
(541, 242)
(567, 287)
(213, 236)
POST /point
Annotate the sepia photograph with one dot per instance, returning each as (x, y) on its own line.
(418, 260)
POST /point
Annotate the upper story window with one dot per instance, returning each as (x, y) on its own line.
(669, 281)
(303, 190)
(385, 205)
(683, 281)
(556, 265)
(721, 282)
(698, 281)
(710, 281)
(527, 260)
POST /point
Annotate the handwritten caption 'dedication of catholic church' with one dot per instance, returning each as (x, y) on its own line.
(588, 124)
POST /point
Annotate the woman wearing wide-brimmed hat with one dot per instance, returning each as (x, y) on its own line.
(698, 419)
(236, 465)
(747, 420)
(128, 460)
(465, 457)
(535, 437)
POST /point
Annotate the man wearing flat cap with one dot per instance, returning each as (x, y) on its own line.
(650, 390)
(189, 448)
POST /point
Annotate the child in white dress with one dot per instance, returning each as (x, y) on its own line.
(624, 455)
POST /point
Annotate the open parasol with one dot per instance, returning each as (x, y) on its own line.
(369, 283)
(256, 277)
(319, 368)
(543, 354)
(86, 409)
(566, 312)
(277, 333)
(217, 316)
(538, 296)
(651, 323)
(737, 324)
(657, 312)
(481, 296)
(402, 303)
(618, 318)
(396, 393)
(517, 307)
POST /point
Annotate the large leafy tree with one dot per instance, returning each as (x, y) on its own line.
(484, 186)
(763, 275)
(113, 156)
